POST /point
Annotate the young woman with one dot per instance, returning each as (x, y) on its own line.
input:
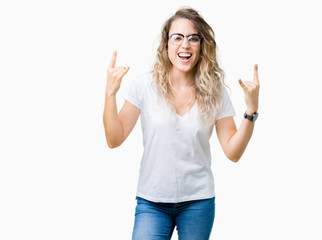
(180, 102)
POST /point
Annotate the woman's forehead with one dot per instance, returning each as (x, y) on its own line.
(182, 25)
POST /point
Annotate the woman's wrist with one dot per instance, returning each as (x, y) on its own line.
(251, 111)
(108, 95)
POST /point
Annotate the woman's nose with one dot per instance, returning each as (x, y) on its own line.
(185, 43)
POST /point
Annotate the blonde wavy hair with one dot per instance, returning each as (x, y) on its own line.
(208, 76)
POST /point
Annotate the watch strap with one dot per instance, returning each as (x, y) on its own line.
(251, 118)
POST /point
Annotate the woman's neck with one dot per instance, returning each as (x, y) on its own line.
(180, 79)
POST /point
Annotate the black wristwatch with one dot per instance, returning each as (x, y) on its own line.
(251, 117)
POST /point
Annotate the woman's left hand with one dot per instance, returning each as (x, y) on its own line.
(251, 90)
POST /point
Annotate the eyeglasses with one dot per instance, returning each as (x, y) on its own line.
(177, 38)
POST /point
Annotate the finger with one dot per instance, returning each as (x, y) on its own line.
(117, 69)
(241, 83)
(256, 80)
(113, 60)
(124, 71)
(120, 73)
(250, 84)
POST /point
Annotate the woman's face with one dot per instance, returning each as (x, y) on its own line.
(179, 54)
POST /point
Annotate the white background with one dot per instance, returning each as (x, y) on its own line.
(58, 178)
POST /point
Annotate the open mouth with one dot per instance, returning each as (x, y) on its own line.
(185, 56)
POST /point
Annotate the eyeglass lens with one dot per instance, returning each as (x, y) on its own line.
(178, 39)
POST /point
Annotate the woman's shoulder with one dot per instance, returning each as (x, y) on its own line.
(143, 79)
(141, 84)
(224, 91)
(148, 76)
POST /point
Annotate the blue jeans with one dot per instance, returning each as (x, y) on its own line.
(156, 221)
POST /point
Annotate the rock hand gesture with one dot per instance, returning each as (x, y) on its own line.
(251, 91)
(114, 76)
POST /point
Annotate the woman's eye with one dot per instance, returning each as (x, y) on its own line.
(194, 39)
(177, 38)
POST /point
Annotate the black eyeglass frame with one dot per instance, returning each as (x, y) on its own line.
(187, 36)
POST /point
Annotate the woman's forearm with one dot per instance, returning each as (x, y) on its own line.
(112, 124)
(239, 141)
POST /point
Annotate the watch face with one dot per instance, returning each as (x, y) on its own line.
(255, 116)
(251, 117)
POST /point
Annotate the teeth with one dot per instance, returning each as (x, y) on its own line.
(184, 55)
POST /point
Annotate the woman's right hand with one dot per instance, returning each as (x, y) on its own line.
(114, 76)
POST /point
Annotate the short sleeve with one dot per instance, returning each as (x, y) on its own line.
(227, 109)
(134, 92)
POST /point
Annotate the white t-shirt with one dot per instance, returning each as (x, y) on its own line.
(176, 162)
